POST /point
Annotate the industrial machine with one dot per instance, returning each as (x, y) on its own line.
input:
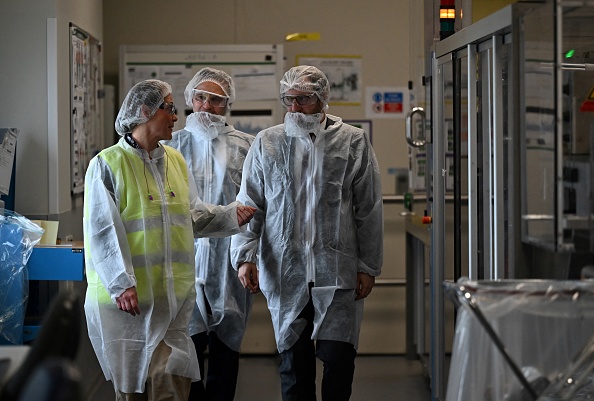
(509, 158)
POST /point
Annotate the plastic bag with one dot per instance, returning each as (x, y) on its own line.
(515, 337)
(18, 236)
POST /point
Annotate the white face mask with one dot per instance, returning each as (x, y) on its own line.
(299, 124)
(205, 124)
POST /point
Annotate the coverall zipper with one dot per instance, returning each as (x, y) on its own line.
(311, 212)
(167, 269)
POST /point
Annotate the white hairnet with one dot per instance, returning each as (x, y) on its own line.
(218, 77)
(149, 93)
(307, 78)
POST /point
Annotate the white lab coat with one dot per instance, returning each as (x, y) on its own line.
(319, 220)
(216, 165)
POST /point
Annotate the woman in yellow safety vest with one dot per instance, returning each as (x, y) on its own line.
(141, 214)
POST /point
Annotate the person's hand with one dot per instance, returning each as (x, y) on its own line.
(365, 283)
(128, 302)
(248, 275)
(245, 214)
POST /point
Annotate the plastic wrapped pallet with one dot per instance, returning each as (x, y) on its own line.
(18, 235)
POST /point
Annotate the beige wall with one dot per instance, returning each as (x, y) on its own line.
(35, 81)
(377, 31)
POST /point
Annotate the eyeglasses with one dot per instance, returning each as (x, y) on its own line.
(170, 107)
(302, 100)
(213, 99)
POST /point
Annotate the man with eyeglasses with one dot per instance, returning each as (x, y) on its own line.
(214, 152)
(315, 244)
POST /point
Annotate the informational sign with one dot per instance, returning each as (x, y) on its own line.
(8, 138)
(386, 102)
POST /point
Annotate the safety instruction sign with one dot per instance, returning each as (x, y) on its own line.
(386, 102)
(588, 104)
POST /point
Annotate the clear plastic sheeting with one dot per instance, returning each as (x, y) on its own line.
(516, 340)
(18, 236)
(575, 383)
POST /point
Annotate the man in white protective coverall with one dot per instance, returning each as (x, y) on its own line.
(215, 152)
(315, 244)
(141, 215)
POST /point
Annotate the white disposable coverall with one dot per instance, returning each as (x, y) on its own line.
(216, 164)
(319, 220)
(124, 343)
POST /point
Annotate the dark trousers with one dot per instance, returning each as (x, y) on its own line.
(298, 366)
(223, 366)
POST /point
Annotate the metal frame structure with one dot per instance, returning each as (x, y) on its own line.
(478, 78)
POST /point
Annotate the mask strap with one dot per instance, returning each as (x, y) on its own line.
(166, 173)
(166, 177)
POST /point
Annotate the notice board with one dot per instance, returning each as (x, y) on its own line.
(86, 130)
(256, 71)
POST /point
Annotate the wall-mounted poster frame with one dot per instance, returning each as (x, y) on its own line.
(344, 73)
(365, 125)
(85, 93)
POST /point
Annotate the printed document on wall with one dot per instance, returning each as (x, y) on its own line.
(8, 137)
(255, 82)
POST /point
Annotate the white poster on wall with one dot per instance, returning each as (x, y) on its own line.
(343, 72)
(178, 77)
(255, 82)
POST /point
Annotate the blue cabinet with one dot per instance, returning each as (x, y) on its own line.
(51, 264)
(30, 277)
(56, 263)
